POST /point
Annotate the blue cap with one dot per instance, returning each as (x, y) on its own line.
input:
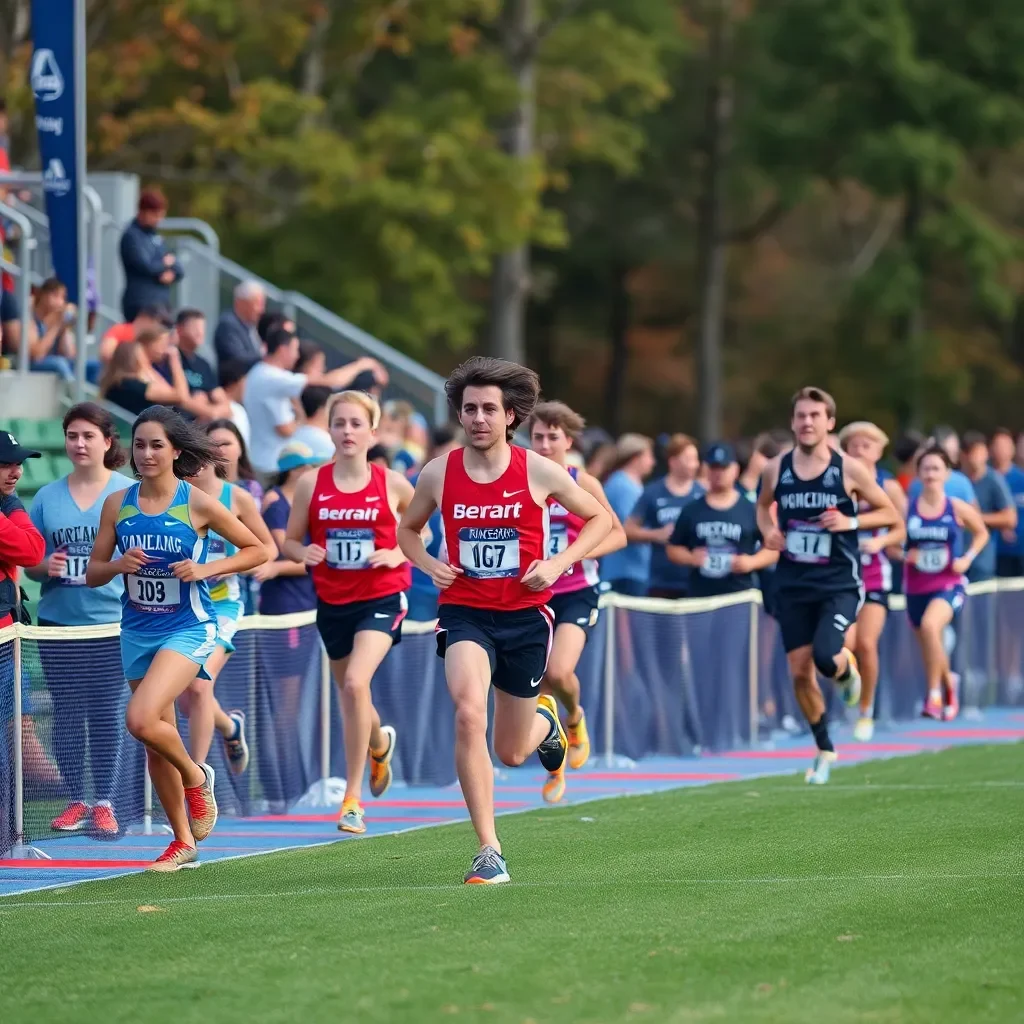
(719, 455)
(295, 454)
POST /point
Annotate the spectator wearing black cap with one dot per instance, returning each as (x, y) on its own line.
(150, 268)
(716, 535)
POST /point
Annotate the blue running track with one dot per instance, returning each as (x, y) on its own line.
(79, 858)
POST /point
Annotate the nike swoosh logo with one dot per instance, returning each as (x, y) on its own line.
(535, 682)
(381, 615)
(169, 522)
(323, 497)
(373, 499)
(511, 494)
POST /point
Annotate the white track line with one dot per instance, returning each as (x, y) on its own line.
(455, 887)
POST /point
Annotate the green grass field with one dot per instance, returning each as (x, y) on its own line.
(895, 894)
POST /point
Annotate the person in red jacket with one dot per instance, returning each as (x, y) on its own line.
(20, 542)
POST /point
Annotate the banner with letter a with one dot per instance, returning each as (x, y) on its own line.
(52, 77)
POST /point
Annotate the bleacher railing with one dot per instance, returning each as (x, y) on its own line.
(670, 678)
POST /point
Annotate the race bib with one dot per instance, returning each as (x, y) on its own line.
(74, 571)
(161, 594)
(717, 564)
(558, 539)
(349, 549)
(808, 544)
(932, 559)
(489, 553)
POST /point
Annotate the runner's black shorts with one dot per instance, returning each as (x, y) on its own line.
(799, 615)
(880, 597)
(339, 623)
(576, 607)
(517, 643)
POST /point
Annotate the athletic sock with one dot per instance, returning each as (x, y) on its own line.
(820, 731)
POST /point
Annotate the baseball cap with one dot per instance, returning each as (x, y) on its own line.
(719, 455)
(11, 452)
(296, 454)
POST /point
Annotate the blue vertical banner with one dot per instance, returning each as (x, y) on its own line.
(53, 81)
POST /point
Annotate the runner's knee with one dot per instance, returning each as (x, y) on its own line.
(470, 719)
(828, 642)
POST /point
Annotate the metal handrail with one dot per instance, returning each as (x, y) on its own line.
(182, 225)
(25, 244)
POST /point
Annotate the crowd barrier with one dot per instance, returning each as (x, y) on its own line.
(658, 678)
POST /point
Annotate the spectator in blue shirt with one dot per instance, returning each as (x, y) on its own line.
(994, 499)
(67, 514)
(150, 268)
(627, 571)
(1009, 543)
(653, 519)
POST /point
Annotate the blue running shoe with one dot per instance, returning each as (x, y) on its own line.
(553, 750)
(235, 747)
(489, 868)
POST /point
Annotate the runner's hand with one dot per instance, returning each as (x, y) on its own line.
(541, 574)
(264, 572)
(834, 521)
(442, 574)
(741, 564)
(774, 540)
(57, 563)
(313, 554)
(872, 545)
(961, 565)
(386, 558)
(132, 561)
(188, 571)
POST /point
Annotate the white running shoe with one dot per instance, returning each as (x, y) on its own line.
(850, 688)
(818, 773)
(864, 730)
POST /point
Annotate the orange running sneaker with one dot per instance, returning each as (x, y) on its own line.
(75, 816)
(202, 806)
(177, 855)
(104, 824)
(579, 742)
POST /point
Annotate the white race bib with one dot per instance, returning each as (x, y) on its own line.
(809, 545)
(558, 539)
(489, 553)
(717, 564)
(932, 559)
(148, 592)
(349, 549)
(74, 571)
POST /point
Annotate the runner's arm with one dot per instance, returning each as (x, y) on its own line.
(294, 546)
(553, 481)
(400, 493)
(616, 539)
(424, 503)
(211, 513)
(773, 539)
(249, 514)
(102, 567)
(970, 518)
(882, 515)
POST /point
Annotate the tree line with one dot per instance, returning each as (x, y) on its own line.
(676, 210)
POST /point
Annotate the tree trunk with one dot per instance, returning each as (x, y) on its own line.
(618, 335)
(510, 280)
(711, 241)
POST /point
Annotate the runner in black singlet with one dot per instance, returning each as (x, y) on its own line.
(818, 581)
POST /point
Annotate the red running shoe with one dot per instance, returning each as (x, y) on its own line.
(202, 806)
(932, 708)
(177, 855)
(74, 817)
(952, 708)
(104, 824)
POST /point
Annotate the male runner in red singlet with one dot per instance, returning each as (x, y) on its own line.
(494, 625)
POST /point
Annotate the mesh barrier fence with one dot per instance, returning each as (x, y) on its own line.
(657, 677)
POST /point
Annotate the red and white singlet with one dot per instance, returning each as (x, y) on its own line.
(350, 527)
(493, 532)
(564, 529)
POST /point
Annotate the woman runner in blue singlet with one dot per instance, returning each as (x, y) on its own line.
(199, 703)
(154, 535)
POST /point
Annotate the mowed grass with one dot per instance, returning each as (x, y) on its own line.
(896, 894)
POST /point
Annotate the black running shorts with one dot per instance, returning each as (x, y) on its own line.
(339, 623)
(799, 616)
(576, 608)
(517, 643)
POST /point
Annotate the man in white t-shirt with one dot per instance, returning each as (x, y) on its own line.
(271, 391)
(314, 433)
